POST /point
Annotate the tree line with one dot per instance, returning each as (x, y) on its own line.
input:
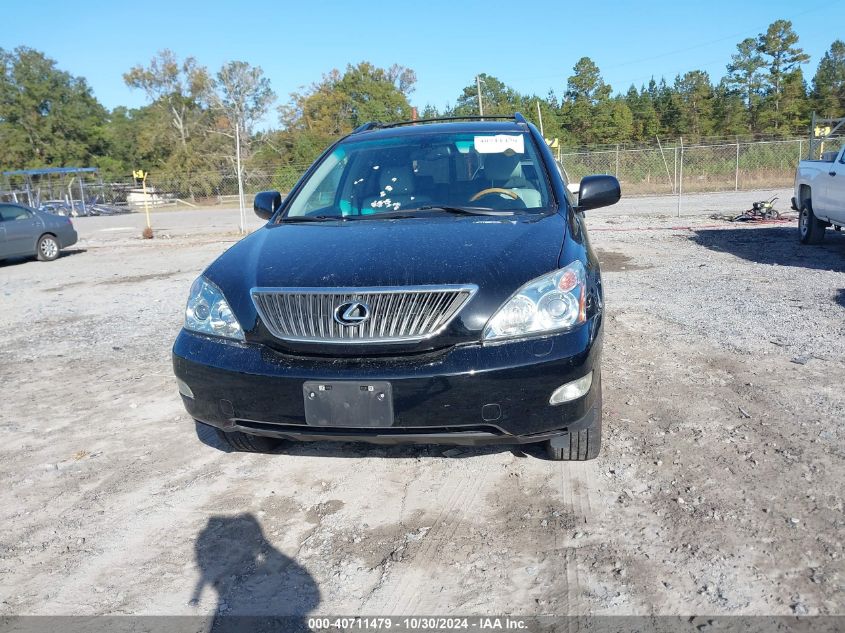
(196, 122)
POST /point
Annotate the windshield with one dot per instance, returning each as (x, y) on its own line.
(499, 171)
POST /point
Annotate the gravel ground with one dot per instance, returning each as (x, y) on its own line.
(696, 204)
(718, 489)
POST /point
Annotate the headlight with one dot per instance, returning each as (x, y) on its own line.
(207, 312)
(550, 303)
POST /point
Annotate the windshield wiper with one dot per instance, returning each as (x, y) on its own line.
(463, 210)
(399, 213)
(310, 218)
(326, 218)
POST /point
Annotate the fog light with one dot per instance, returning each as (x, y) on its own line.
(572, 390)
(184, 389)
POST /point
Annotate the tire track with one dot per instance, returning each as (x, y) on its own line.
(576, 483)
(460, 495)
(422, 604)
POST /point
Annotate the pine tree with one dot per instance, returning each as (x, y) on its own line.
(730, 114)
(646, 124)
(778, 45)
(745, 76)
(829, 82)
(694, 96)
(586, 109)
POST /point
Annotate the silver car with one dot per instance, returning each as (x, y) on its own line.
(25, 232)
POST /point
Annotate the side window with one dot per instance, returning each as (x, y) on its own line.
(323, 196)
(9, 213)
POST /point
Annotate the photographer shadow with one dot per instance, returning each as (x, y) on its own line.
(258, 588)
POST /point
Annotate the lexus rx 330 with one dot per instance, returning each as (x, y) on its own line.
(425, 282)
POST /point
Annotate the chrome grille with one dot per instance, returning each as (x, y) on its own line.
(396, 314)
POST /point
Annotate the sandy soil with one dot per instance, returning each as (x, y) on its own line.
(718, 489)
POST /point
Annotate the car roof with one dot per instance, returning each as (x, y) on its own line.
(450, 127)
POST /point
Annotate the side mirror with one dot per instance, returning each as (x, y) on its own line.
(266, 204)
(598, 191)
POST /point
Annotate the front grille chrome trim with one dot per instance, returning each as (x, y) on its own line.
(399, 314)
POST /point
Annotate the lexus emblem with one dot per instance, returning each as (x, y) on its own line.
(352, 313)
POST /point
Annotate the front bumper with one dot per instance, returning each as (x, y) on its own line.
(468, 394)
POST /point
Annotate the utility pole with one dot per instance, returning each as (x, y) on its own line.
(810, 155)
(540, 116)
(478, 88)
(240, 176)
(617, 161)
(681, 177)
(736, 181)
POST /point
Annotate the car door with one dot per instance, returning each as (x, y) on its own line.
(21, 227)
(834, 195)
(3, 245)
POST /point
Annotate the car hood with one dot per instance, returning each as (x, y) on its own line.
(497, 254)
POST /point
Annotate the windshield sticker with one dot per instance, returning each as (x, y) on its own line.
(501, 143)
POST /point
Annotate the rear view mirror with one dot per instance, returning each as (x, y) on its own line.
(598, 191)
(266, 204)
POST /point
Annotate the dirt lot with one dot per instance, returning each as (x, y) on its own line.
(719, 489)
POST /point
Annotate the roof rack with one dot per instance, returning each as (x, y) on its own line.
(517, 117)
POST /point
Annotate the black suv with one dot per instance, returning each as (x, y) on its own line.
(428, 281)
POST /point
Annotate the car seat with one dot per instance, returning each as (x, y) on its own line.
(501, 170)
(397, 191)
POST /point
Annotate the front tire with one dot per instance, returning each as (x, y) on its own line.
(48, 248)
(810, 228)
(578, 446)
(246, 443)
(583, 446)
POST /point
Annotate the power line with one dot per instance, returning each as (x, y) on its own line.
(825, 6)
(668, 75)
(716, 41)
(478, 87)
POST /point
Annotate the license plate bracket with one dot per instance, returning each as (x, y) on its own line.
(364, 404)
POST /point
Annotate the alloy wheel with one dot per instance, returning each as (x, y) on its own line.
(49, 248)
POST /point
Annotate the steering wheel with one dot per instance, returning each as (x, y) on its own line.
(486, 192)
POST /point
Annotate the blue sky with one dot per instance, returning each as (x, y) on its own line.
(530, 46)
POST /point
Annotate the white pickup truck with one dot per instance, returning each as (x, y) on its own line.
(820, 195)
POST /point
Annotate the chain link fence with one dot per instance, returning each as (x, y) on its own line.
(675, 168)
(671, 168)
(181, 189)
(203, 189)
(827, 147)
(667, 169)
